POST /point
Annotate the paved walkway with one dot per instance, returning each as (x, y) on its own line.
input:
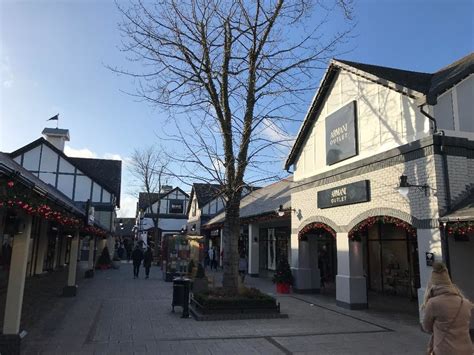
(113, 313)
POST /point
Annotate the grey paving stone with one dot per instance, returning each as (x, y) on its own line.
(115, 314)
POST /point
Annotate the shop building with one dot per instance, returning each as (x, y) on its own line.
(265, 227)
(40, 231)
(168, 206)
(206, 202)
(382, 154)
(93, 184)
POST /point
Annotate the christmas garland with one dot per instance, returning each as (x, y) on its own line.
(315, 226)
(24, 200)
(460, 228)
(361, 229)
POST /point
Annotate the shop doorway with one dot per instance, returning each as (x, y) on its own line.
(322, 247)
(391, 262)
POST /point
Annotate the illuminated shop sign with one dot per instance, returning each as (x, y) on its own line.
(356, 192)
(341, 134)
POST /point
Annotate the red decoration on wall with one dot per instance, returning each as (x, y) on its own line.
(461, 228)
(361, 229)
(24, 199)
(314, 227)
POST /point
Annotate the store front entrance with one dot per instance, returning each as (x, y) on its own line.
(390, 257)
(274, 246)
(322, 249)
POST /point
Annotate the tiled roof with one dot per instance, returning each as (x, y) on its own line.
(261, 201)
(106, 172)
(410, 79)
(206, 192)
(464, 211)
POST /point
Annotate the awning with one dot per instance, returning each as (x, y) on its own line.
(463, 212)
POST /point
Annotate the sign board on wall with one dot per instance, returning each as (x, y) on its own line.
(341, 134)
(176, 206)
(349, 194)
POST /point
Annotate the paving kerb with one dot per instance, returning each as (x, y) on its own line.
(113, 309)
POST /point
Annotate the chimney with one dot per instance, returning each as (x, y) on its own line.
(166, 188)
(56, 137)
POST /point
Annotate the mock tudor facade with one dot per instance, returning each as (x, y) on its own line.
(173, 203)
(80, 179)
(367, 126)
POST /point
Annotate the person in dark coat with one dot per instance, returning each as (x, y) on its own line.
(148, 258)
(137, 257)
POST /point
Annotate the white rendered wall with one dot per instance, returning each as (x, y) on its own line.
(393, 119)
(429, 240)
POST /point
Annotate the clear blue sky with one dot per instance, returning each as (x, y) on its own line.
(52, 58)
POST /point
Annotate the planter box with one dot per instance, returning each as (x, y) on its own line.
(200, 285)
(261, 309)
(282, 287)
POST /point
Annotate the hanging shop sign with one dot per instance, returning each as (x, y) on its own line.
(341, 134)
(349, 194)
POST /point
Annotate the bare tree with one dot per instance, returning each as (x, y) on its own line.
(229, 72)
(149, 166)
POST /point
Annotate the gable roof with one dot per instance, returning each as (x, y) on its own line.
(108, 173)
(409, 79)
(262, 201)
(424, 86)
(9, 166)
(206, 192)
(155, 196)
(463, 211)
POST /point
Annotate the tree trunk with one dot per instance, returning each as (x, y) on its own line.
(231, 238)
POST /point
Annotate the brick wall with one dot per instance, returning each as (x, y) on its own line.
(385, 199)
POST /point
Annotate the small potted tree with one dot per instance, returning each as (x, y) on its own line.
(104, 261)
(283, 277)
(200, 281)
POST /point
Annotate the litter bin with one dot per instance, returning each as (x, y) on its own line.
(181, 286)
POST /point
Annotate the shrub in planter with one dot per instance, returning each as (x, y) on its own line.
(283, 277)
(219, 298)
(104, 261)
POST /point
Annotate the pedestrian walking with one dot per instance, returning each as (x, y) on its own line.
(242, 267)
(212, 256)
(447, 315)
(137, 257)
(121, 251)
(128, 249)
(147, 259)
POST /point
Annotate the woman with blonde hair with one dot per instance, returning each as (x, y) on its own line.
(447, 315)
